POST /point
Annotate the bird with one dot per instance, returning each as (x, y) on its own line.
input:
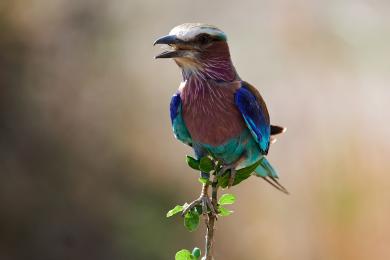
(214, 110)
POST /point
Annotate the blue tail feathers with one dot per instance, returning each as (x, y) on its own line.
(268, 173)
(265, 169)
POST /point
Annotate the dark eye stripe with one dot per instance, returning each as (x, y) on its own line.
(205, 38)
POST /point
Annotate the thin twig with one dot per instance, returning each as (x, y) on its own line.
(210, 222)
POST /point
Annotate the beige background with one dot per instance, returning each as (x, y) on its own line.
(89, 164)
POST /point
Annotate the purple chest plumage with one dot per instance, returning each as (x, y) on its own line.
(209, 112)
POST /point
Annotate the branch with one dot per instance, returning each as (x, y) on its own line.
(210, 207)
(210, 221)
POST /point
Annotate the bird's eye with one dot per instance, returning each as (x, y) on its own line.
(204, 39)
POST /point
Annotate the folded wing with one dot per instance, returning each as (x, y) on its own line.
(254, 111)
(179, 128)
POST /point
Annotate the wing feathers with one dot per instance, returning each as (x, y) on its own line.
(255, 114)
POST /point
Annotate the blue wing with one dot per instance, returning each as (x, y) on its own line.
(255, 114)
(179, 128)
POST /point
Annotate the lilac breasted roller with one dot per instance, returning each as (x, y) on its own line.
(214, 110)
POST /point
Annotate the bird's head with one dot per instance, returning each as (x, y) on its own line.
(198, 48)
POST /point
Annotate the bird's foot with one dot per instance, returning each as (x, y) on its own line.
(205, 202)
(233, 171)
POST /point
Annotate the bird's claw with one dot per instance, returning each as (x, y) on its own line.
(206, 204)
(232, 176)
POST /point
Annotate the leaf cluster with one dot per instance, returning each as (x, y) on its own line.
(185, 254)
(213, 166)
(191, 218)
(210, 165)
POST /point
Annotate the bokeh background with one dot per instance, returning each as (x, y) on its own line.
(89, 165)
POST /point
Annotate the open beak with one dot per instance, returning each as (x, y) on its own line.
(169, 40)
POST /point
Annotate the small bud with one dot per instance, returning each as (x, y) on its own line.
(196, 252)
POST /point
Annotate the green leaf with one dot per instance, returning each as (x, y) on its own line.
(174, 211)
(251, 168)
(196, 253)
(224, 179)
(206, 164)
(192, 162)
(191, 220)
(204, 181)
(241, 175)
(184, 254)
(227, 199)
(223, 212)
(198, 209)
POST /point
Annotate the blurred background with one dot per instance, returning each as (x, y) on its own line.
(89, 165)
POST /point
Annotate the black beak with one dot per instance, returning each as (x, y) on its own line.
(168, 39)
(168, 54)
